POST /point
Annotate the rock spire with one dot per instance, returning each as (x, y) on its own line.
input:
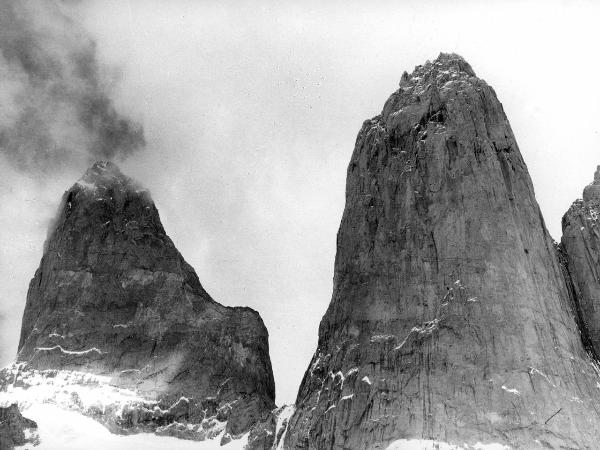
(114, 297)
(450, 318)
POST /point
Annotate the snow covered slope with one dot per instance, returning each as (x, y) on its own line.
(76, 410)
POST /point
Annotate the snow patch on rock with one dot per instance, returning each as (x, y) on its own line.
(69, 352)
(511, 391)
(283, 419)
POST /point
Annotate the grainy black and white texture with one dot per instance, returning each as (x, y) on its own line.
(450, 318)
(16, 430)
(581, 245)
(57, 107)
(454, 316)
(114, 297)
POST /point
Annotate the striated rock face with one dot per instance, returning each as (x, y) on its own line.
(114, 297)
(450, 318)
(581, 245)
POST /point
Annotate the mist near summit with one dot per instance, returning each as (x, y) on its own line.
(241, 118)
(57, 116)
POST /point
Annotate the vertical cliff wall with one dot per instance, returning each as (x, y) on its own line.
(581, 245)
(114, 297)
(450, 318)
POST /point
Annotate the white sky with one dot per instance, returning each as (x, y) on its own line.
(251, 111)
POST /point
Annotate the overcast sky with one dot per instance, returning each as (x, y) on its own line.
(250, 113)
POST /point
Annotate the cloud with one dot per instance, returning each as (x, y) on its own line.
(55, 97)
(2, 349)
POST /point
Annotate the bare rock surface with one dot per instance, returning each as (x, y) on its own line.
(15, 430)
(581, 244)
(450, 320)
(114, 297)
(591, 193)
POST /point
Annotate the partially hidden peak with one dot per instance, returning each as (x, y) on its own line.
(592, 191)
(105, 174)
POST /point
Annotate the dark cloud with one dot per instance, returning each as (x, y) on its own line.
(55, 106)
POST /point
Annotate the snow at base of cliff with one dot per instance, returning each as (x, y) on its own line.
(60, 429)
(61, 402)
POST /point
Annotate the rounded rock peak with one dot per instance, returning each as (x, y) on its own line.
(102, 169)
(106, 175)
(450, 64)
(454, 60)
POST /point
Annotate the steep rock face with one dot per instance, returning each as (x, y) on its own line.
(450, 318)
(581, 244)
(114, 297)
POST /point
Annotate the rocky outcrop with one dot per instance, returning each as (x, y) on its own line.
(16, 430)
(581, 245)
(114, 297)
(450, 318)
(591, 193)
